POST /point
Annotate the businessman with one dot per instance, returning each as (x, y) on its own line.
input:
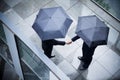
(87, 53)
(47, 46)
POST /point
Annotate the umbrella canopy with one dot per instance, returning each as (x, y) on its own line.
(52, 23)
(92, 30)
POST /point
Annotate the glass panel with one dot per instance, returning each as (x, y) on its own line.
(2, 34)
(4, 50)
(28, 73)
(112, 6)
(6, 71)
(29, 60)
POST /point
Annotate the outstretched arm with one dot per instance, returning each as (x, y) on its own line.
(75, 38)
(56, 42)
(72, 40)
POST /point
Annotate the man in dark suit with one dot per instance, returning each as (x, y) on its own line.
(87, 54)
(47, 46)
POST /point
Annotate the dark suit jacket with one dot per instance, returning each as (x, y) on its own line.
(47, 45)
(75, 38)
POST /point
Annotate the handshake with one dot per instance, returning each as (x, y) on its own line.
(68, 42)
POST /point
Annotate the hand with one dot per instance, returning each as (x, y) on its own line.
(69, 42)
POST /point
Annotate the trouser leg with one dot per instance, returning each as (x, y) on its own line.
(87, 54)
(47, 51)
(84, 50)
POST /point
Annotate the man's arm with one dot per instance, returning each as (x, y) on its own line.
(56, 42)
(72, 40)
(75, 38)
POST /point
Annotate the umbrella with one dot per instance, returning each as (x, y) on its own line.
(92, 30)
(52, 23)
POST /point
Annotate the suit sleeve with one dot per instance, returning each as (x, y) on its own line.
(75, 38)
(56, 42)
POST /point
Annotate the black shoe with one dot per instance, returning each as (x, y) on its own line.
(80, 58)
(52, 56)
(83, 66)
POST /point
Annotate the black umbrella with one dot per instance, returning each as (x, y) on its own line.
(92, 30)
(52, 23)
